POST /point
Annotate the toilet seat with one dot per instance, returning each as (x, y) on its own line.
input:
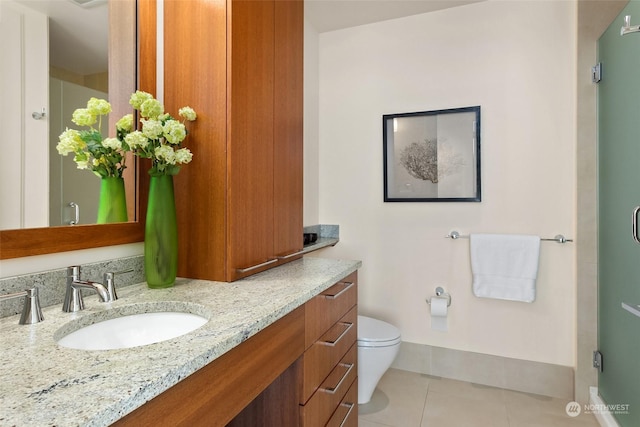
(376, 333)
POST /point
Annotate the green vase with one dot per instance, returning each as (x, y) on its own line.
(161, 234)
(112, 206)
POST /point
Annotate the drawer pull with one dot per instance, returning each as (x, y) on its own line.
(253, 267)
(337, 340)
(301, 252)
(346, 417)
(333, 390)
(345, 289)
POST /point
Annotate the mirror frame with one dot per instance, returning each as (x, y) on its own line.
(38, 241)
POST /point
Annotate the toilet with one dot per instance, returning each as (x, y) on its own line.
(378, 346)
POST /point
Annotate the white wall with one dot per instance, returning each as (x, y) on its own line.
(24, 88)
(517, 60)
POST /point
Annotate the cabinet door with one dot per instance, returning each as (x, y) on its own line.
(195, 75)
(250, 138)
(288, 161)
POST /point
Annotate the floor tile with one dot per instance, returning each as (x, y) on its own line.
(365, 423)
(409, 399)
(530, 410)
(465, 389)
(398, 400)
(445, 410)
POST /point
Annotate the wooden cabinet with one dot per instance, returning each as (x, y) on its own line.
(263, 367)
(275, 378)
(239, 64)
(328, 367)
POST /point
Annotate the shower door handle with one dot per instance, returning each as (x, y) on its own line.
(632, 309)
(634, 224)
(76, 211)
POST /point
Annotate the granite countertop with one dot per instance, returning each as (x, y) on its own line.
(43, 384)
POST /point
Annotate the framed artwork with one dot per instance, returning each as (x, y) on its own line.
(432, 156)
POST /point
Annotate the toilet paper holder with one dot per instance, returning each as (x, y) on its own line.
(440, 292)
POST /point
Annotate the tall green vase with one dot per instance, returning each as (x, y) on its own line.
(112, 206)
(161, 234)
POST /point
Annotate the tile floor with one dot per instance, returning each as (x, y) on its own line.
(408, 399)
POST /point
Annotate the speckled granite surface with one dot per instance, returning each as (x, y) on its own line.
(43, 384)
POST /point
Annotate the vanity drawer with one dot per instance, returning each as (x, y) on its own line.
(346, 414)
(325, 309)
(333, 389)
(319, 359)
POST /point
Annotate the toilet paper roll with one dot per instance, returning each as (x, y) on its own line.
(439, 311)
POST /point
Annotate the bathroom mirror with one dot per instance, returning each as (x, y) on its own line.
(55, 58)
(131, 36)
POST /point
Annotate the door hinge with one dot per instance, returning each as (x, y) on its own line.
(597, 360)
(596, 73)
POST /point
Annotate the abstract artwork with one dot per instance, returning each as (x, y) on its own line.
(432, 156)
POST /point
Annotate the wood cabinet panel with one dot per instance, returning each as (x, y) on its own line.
(327, 308)
(214, 395)
(195, 75)
(332, 390)
(276, 406)
(346, 414)
(319, 359)
(239, 202)
(288, 119)
(250, 138)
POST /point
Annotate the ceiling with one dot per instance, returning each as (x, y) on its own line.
(330, 15)
(79, 41)
(78, 38)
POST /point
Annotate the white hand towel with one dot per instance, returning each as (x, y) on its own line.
(505, 266)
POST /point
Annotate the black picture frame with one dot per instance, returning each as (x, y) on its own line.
(432, 156)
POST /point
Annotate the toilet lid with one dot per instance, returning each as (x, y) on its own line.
(374, 332)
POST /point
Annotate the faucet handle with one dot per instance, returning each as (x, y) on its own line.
(31, 312)
(109, 283)
(73, 272)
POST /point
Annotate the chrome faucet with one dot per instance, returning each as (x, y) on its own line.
(31, 312)
(73, 298)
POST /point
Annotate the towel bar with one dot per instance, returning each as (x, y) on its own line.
(559, 238)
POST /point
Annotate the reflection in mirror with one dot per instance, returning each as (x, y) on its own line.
(39, 187)
(132, 34)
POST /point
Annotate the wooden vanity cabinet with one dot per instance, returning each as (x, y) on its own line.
(328, 368)
(255, 383)
(299, 371)
(239, 64)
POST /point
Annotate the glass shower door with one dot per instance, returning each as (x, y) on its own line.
(618, 197)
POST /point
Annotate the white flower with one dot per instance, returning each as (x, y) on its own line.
(187, 113)
(183, 156)
(125, 124)
(166, 153)
(98, 107)
(136, 139)
(152, 129)
(70, 142)
(174, 131)
(112, 143)
(84, 117)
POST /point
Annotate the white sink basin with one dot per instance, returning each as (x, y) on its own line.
(132, 331)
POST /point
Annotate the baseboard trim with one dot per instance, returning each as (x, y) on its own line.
(496, 371)
(604, 416)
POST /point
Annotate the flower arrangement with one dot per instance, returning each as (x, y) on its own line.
(104, 156)
(161, 136)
